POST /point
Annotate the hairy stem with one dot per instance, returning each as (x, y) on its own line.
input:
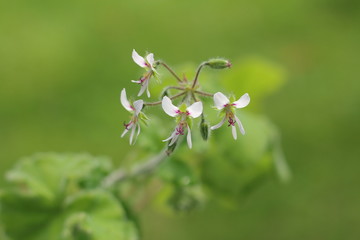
(159, 102)
(194, 97)
(171, 71)
(204, 93)
(141, 169)
(197, 74)
(174, 87)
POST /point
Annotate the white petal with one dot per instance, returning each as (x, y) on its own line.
(142, 89)
(132, 135)
(189, 138)
(243, 101)
(147, 91)
(219, 124)
(174, 139)
(138, 105)
(139, 60)
(195, 109)
(220, 100)
(242, 130)
(171, 136)
(233, 130)
(168, 107)
(136, 81)
(147, 87)
(124, 101)
(150, 59)
(125, 131)
(138, 132)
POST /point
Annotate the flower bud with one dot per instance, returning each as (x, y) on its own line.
(164, 93)
(218, 63)
(170, 149)
(204, 129)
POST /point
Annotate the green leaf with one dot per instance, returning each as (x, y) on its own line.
(234, 167)
(182, 191)
(177, 172)
(50, 175)
(52, 196)
(97, 215)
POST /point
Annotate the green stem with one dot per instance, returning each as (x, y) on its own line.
(174, 87)
(197, 74)
(171, 71)
(141, 169)
(159, 102)
(204, 93)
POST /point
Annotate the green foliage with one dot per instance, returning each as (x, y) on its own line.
(254, 75)
(182, 190)
(53, 196)
(233, 169)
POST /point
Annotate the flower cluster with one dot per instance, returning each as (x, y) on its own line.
(190, 106)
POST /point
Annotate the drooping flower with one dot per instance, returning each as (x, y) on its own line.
(223, 103)
(182, 115)
(149, 64)
(135, 110)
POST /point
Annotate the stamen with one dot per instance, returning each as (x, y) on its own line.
(179, 130)
(231, 122)
(126, 125)
(229, 104)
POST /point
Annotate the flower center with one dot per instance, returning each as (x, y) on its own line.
(182, 113)
(229, 105)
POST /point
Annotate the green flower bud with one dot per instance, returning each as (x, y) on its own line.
(204, 129)
(164, 93)
(218, 63)
(170, 149)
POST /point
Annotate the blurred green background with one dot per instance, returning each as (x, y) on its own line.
(63, 64)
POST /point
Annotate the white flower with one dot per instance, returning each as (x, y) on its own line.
(135, 110)
(182, 114)
(223, 103)
(149, 64)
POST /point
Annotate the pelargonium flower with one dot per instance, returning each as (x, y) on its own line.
(149, 64)
(182, 114)
(223, 103)
(135, 110)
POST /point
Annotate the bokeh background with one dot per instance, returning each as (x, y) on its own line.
(63, 64)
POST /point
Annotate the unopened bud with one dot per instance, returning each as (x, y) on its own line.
(170, 149)
(164, 93)
(204, 129)
(218, 63)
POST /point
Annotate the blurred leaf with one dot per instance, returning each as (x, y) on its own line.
(182, 191)
(233, 168)
(54, 196)
(97, 215)
(50, 176)
(186, 199)
(177, 172)
(255, 76)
